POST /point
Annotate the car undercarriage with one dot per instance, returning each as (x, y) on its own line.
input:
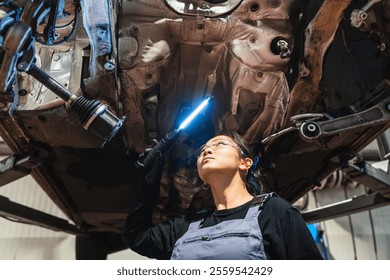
(85, 90)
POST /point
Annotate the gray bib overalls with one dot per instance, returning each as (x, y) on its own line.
(238, 239)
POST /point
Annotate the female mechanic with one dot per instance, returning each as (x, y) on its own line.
(242, 226)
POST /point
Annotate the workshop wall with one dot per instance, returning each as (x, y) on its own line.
(362, 236)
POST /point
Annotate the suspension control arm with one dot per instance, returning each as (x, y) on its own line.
(376, 115)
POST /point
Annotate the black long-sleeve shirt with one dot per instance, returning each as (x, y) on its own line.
(285, 233)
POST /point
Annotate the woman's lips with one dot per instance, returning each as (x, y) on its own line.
(206, 159)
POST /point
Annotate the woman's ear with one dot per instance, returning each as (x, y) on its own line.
(245, 164)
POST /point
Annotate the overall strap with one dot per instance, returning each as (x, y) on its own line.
(199, 218)
(258, 203)
(262, 199)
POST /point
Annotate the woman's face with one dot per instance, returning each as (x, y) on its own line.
(220, 153)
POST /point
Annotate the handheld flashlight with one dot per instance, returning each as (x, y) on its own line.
(170, 137)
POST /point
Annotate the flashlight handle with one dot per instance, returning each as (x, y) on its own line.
(161, 147)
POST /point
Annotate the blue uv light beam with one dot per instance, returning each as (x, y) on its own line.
(163, 145)
(193, 115)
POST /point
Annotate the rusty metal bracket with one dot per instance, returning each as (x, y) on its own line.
(13, 168)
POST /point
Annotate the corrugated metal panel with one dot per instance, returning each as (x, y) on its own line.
(363, 236)
(362, 230)
(381, 221)
(55, 248)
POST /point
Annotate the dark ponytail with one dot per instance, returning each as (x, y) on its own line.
(252, 178)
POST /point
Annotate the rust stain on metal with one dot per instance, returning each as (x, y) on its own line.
(319, 35)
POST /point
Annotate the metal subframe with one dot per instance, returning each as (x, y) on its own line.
(376, 179)
(346, 207)
(24, 214)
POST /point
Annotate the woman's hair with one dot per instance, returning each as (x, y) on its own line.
(252, 178)
(242, 144)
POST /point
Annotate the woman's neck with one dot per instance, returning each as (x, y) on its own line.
(229, 193)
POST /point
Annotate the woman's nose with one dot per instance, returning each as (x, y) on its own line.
(207, 150)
